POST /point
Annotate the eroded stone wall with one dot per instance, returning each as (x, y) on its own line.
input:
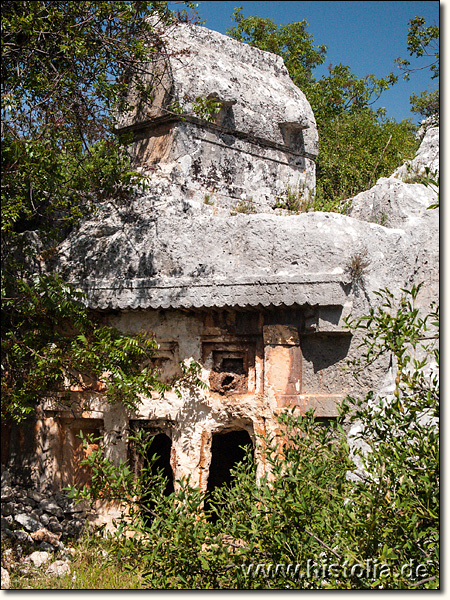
(254, 366)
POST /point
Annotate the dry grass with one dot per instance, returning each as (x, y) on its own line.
(92, 568)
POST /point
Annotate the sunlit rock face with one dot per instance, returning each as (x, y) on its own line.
(259, 147)
(202, 259)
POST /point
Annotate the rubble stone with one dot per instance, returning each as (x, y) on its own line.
(36, 496)
(7, 494)
(44, 535)
(22, 536)
(38, 558)
(28, 522)
(6, 583)
(52, 507)
(59, 568)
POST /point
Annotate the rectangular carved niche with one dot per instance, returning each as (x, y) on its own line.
(166, 360)
(232, 366)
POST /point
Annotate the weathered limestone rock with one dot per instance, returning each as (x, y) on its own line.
(249, 260)
(43, 535)
(7, 494)
(397, 204)
(6, 583)
(21, 536)
(306, 264)
(38, 558)
(51, 507)
(59, 568)
(392, 203)
(426, 124)
(397, 201)
(261, 143)
(28, 522)
(427, 156)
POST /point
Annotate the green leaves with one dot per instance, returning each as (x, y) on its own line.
(357, 144)
(292, 42)
(356, 148)
(401, 431)
(65, 73)
(65, 68)
(206, 108)
(51, 343)
(423, 43)
(315, 520)
(426, 104)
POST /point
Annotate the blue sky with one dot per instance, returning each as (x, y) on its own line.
(367, 36)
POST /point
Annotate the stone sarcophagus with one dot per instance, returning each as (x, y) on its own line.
(258, 300)
(260, 144)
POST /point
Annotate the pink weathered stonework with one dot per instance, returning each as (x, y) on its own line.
(209, 263)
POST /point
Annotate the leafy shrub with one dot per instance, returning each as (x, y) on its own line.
(295, 201)
(325, 515)
(355, 150)
(247, 207)
(358, 266)
(51, 341)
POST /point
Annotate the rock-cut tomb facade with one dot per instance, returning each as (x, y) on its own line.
(207, 261)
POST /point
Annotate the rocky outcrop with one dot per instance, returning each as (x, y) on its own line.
(426, 124)
(401, 200)
(405, 205)
(427, 157)
(261, 143)
(38, 519)
(137, 258)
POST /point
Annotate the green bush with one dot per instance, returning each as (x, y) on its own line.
(326, 515)
(355, 150)
(357, 144)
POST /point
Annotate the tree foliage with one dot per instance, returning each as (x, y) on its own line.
(65, 68)
(355, 150)
(352, 136)
(52, 343)
(292, 42)
(65, 71)
(426, 104)
(423, 44)
(326, 515)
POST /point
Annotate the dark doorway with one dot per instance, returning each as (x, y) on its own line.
(227, 449)
(160, 446)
